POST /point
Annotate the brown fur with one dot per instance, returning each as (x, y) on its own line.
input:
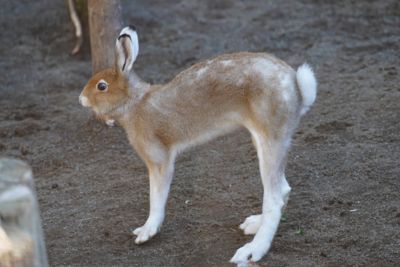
(186, 107)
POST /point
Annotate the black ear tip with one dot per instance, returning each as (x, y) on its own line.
(127, 31)
(132, 27)
(124, 35)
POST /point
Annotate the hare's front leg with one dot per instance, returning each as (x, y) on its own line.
(160, 180)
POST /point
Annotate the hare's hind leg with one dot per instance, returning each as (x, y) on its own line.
(252, 223)
(271, 154)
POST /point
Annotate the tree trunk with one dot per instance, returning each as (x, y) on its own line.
(105, 21)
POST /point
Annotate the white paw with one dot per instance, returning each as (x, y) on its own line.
(249, 252)
(251, 224)
(145, 232)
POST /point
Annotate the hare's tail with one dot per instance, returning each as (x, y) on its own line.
(308, 86)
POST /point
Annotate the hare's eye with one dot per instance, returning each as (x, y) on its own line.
(102, 86)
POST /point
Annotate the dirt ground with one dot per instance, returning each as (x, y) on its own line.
(343, 167)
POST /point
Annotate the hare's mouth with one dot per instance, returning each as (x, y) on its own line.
(84, 101)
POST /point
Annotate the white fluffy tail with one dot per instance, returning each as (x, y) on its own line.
(308, 86)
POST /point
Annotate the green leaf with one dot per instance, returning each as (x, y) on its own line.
(299, 231)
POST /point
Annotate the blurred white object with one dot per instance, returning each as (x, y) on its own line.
(21, 236)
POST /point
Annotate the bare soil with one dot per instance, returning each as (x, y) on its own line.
(343, 166)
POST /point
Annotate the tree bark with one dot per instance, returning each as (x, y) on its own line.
(105, 21)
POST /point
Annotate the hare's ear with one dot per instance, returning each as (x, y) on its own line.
(126, 50)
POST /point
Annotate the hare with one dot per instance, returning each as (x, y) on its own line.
(252, 90)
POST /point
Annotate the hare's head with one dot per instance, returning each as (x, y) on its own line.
(109, 89)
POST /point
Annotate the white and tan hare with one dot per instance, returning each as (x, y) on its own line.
(252, 90)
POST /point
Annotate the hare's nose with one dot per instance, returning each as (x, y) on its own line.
(84, 101)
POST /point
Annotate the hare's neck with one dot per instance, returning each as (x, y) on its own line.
(138, 89)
